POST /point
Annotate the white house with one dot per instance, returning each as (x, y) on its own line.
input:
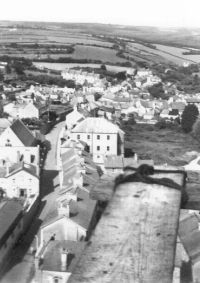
(102, 137)
(22, 110)
(19, 180)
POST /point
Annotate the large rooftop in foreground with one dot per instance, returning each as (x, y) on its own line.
(135, 238)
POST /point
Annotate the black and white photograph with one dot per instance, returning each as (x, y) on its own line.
(100, 141)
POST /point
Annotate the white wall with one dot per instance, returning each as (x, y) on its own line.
(21, 180)
(103, 143)
(12, 154)
(8, 134)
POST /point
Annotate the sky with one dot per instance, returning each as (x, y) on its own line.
(163, 13)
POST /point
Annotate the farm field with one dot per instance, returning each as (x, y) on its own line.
(95, 42)
(96, 53)
(178, 52)
(162, 145)
(63, 66)
(168, 53)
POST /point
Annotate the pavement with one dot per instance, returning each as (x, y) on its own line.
(20, 268)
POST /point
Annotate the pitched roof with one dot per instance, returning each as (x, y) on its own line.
(82, 211)
(178, 105)
(10, 215)
(23, 133)
(96, 125)
(52, 256)
(119, 162)
(17, 167)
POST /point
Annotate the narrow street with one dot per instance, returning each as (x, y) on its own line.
(21, 267)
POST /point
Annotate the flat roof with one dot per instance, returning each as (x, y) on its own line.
(135, 238)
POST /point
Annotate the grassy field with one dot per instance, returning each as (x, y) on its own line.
(96, 53)
(163, 146)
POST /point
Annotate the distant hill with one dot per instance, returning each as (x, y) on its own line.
(172, 36)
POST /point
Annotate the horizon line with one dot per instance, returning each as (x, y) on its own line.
(101, 23)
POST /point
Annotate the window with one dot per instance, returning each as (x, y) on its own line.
(108, 148)
(8, 143)
(98, 137)
(78, 137)
(108, 137)
(88, 137)
(32, 158)
(98, 147)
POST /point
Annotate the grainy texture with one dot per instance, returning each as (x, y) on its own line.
(104, 190)
(135, 239)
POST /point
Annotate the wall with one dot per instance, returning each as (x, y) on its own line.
(8, 134)
(30, 214)
(93, 142)
(22, 180)
(64, 229)
(14, 153)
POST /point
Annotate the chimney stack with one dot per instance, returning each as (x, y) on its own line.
(63, 208)
(64, 256)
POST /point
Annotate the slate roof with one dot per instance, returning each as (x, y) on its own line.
(17, 167)
(10, 215)
(23, 133)
(190, 236)
(52, 256)
(96, 125)
(82, 211)
(119, 162)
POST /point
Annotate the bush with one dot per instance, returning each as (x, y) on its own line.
(189, 117)
(162, 124)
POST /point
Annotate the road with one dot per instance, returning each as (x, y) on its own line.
(21, 267)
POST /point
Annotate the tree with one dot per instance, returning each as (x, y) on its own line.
(121, 76)
(103, 67)
(1, 76)
(157, 91)
(1, 109)
(189, 117)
